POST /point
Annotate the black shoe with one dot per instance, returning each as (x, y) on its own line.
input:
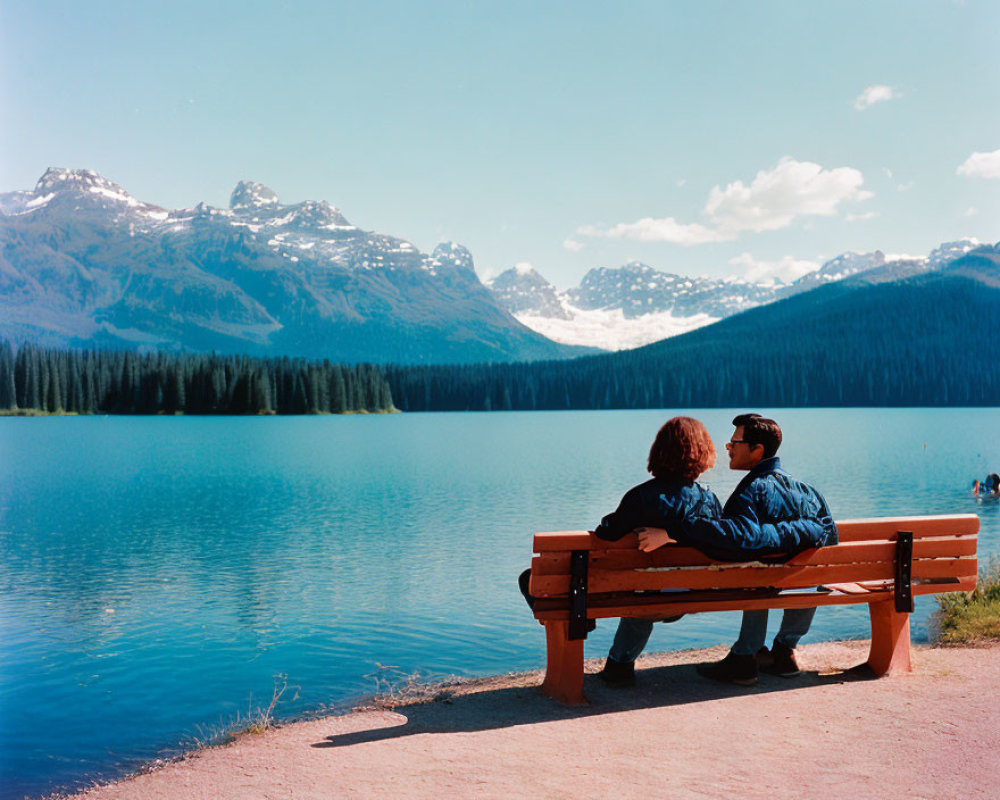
(764, 658)
(741, 670)
(522, 583)
(618, 674)
(780, 661)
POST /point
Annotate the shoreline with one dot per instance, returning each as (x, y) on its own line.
(828, 733)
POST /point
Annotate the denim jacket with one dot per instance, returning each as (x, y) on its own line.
(659, 504)
(769, 513)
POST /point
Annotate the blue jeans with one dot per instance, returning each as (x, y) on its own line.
(630, 639)
(795, 624)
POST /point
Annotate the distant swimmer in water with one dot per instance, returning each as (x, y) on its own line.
(988, 489)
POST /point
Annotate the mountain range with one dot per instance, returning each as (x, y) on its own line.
(875, 338)
(636, 304)
(84, 263)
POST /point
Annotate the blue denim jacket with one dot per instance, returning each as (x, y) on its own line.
(768, 513)
(659, 504)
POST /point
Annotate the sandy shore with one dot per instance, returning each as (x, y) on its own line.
(932, 734)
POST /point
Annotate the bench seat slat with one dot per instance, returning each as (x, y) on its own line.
(654, 605)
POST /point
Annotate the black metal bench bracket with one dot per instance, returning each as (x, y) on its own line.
(578, 594)
(904, 572)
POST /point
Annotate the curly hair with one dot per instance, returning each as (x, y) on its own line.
(681, 451)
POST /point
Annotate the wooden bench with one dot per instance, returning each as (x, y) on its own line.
(576, 577)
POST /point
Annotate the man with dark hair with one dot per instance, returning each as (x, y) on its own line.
(767, 494)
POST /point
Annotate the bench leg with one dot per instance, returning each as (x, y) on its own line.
(564, 670)
(890, 650)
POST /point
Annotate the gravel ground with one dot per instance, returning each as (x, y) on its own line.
(934, 733)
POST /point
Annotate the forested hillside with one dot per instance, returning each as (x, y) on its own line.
(122, 382)
(926, 341)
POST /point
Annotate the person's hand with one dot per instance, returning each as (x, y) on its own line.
(652, 538)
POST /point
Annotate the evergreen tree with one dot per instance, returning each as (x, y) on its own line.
(8, 388)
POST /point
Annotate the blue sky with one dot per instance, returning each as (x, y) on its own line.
(702, 138)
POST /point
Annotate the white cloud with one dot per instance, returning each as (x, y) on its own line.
(787, 269)
(771, 202)
(904, 187)
(573, 245)
(971, 211)
(776, 197)
(981, 165)
(657, 230)
(523, 267)
(860, 217)
(878, 93)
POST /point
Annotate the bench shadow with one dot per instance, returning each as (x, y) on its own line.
(657, 687)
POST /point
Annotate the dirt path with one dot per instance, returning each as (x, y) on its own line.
(932, 734)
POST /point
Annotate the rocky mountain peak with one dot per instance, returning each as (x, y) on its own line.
(949, 251)
(453, 254)
(250, 196)
(318, 214)
(522, 290)
(57, 180)
(851, 263)
(521, 276)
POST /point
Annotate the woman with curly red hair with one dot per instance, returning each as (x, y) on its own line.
(681, 452)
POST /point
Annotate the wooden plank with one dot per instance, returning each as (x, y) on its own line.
(944, 568)
(674, 555)
(853, 552)
(653, 605)
(720, 577)
(849, 530)
(740, 576)
(563, 540)
(886, 527)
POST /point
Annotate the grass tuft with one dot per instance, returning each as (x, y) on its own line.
(395, 688)
(972, 617)
(256, 720)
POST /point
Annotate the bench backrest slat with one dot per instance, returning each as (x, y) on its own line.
(849, 531)
(951, 525)
(748, 577)
(554, 563)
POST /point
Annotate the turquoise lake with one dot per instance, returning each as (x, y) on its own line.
(158, 573)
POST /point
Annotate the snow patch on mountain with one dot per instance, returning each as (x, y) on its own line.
(610, 329)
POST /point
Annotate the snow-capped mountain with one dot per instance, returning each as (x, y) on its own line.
(616, 309)
(85, 262)
(638, 290)
(635, 304)
(836, 269)
(521, 290)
